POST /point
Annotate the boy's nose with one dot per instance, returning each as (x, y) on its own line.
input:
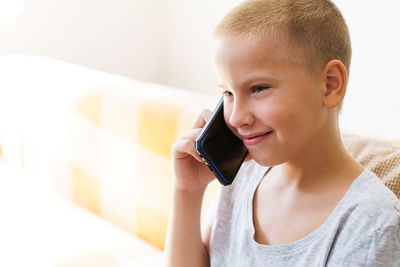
(240, 115)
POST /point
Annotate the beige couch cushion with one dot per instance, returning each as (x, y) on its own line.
(383, 158)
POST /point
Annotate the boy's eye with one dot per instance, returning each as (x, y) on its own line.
(259, 88)
(226, 93)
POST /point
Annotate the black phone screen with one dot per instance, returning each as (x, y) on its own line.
(220, 149)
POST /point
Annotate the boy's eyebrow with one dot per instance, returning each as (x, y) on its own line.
(254, 79)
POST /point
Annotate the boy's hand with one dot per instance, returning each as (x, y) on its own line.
(191, 173)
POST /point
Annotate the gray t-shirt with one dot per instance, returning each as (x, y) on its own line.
(363, 229)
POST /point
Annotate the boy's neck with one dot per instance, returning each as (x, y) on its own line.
(323, 159)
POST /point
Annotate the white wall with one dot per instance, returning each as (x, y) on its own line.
(169, 41)
(166, 41)
(372, 104)
(118, 36)
(188, 35)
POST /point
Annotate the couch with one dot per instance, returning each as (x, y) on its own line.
(103, 142)
(95, 140)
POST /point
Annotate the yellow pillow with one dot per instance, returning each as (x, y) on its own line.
(383, 158)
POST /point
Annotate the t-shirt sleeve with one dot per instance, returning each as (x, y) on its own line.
(381, 249)
(384, 247)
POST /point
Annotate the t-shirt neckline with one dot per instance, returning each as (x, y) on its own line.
(304, 242)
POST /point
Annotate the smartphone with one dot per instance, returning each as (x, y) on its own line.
(222, 151)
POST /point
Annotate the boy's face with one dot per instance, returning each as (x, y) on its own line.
(271, 102)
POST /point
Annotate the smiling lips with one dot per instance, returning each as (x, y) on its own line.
(254, 139)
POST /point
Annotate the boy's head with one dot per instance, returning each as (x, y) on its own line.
(312, 31)
(282, 68)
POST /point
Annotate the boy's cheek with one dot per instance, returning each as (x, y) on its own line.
(272, 116)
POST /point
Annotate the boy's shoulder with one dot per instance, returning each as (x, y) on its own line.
(370, 204)
(369, 189)
(367, 228)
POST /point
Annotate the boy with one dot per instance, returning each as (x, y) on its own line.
(283, 67)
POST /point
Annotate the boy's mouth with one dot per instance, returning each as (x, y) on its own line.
(254, 139)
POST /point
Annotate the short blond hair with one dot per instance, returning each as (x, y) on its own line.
(314, 31)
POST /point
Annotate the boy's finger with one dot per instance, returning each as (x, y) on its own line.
(183, 148)
(202, 119)
(191, 134)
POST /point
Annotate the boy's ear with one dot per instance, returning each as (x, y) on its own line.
(335, 78)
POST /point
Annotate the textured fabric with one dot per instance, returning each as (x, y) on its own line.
(363, 230)
(383, 158)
